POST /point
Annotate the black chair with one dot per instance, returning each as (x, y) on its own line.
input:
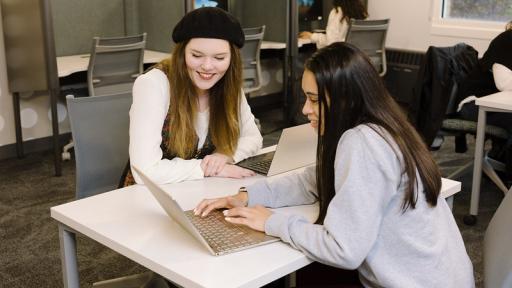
(435, 105)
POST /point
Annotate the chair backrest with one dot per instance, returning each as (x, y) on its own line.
(370, 37)
(251, 58)
(498, 247)
(115, 63)
(99, 126)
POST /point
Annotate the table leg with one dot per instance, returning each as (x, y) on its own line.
(449, 200)
(17, 124)
(477, 169)
(291, 279)
(55, 132)
(68, 257)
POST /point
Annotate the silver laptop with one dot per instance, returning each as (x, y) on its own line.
(216, 234)
(296, 148)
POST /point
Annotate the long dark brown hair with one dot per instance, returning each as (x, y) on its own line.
(351, 9)
(351, 93)
(224, 101)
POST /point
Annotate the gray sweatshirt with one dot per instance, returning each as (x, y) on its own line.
(365, 227)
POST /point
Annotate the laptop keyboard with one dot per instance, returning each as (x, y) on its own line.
(259, 163)
(264, 165)
(221, 235)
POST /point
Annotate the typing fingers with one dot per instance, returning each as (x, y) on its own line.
(254, 217)
(238, 212)
(238, 220)
(207, 205)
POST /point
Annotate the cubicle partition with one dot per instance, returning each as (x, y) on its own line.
(157, 18)
(76, 22)
(270, 13)
(31, 63)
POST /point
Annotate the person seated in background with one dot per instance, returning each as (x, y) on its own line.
(493, 74)
(337, 22)
(376, 183)
(189, 118)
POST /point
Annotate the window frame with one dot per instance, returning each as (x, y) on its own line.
(465, 28)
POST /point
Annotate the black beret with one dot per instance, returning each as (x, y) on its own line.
(209, 22)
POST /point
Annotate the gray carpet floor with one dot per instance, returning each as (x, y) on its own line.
(29, 249)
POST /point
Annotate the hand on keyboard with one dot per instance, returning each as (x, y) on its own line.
(253, 217)
(207, 205)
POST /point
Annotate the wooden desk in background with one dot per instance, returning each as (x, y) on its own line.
(281, 45)
(67, 65)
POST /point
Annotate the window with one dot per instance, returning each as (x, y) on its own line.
(486, 10)
(477, 19)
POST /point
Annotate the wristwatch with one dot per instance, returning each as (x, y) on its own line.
(243, 189)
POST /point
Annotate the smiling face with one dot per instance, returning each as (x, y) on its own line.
(207, 61)
(311, 106)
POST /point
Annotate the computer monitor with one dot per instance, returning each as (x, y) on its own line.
(310, 10)
(211, 3)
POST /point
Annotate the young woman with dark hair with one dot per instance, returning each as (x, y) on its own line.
(337, 22)
(375, 180)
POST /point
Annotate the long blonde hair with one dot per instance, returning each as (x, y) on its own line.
(224, 102)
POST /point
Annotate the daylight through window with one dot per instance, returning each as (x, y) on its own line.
(483, 10)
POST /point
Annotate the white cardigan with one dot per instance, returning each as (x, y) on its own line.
(336, 31)
(147, 115)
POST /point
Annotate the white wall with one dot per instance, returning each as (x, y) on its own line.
(411, 25)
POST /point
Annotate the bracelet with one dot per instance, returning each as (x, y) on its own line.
(244, 189)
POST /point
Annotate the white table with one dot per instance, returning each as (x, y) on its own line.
(131, 222)
(67, 65)
(282, 45)
(498, 102)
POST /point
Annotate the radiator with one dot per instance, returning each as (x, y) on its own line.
(402, 72)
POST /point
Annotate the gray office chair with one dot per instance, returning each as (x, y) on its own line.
(99, 126)
(100, 131)
(115, 63)
(251, 58)
(497, 252)
(251, 62)
(370, 37)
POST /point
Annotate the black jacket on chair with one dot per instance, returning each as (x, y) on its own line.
(442, 67)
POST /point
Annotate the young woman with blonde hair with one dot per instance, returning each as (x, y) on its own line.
(189, 118)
